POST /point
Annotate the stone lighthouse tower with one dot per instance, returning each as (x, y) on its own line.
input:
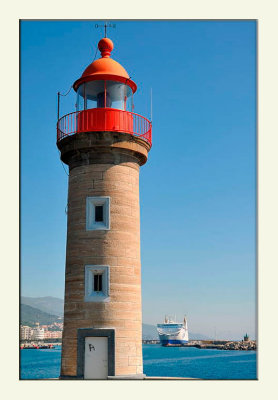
(104, 144)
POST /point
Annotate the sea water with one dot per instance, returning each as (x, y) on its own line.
(157, 361)
(199, 363)
(40, 364)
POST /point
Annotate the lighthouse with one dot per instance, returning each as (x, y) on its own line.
(104, 143)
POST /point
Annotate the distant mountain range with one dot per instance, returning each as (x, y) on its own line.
(30, 315)
(149, 332)
(50, 305)
(47, 310)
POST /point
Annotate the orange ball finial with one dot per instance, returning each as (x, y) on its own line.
(105, 46)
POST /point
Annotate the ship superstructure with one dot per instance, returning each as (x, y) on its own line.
(172, 332)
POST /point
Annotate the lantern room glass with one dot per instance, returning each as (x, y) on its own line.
(104, 94)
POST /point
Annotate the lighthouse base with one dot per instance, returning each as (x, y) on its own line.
(119, 377)
(128, 377)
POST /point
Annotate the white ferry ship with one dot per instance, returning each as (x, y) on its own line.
(172, 332)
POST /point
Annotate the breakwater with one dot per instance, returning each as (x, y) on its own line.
(212, 344)
(231, 345)
(200, 344)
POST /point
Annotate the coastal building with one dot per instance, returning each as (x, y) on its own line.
(58, 325)
(104, 143)
(52, 334)
(56, 335)
(25, 332)
(47, 334)
(38, 333)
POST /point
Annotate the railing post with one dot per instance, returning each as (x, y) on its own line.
(58, 106)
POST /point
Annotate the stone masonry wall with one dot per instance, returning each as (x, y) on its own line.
(119, 248)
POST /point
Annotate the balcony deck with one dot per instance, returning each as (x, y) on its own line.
(104, 120)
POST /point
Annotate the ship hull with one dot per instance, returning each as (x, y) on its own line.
(168, 342)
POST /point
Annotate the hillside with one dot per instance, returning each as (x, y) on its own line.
(30, 315)
(48, 304)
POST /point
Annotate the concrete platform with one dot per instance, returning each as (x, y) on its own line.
(167, 378)
(126, 377)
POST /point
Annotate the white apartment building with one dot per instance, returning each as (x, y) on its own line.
(38, 333)
(26, 332)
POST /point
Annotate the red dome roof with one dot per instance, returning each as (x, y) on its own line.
(105, 68)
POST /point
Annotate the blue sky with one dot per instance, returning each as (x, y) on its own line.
(197, 191)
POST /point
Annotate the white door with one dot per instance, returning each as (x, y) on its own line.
(96, 358)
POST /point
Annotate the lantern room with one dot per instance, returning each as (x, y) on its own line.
(104, 94)
(104, 100)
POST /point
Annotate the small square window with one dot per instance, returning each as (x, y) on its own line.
(96, 283)
(98, 213)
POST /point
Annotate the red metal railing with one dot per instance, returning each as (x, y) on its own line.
(104, 119)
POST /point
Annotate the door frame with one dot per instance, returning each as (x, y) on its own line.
(82, 333)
